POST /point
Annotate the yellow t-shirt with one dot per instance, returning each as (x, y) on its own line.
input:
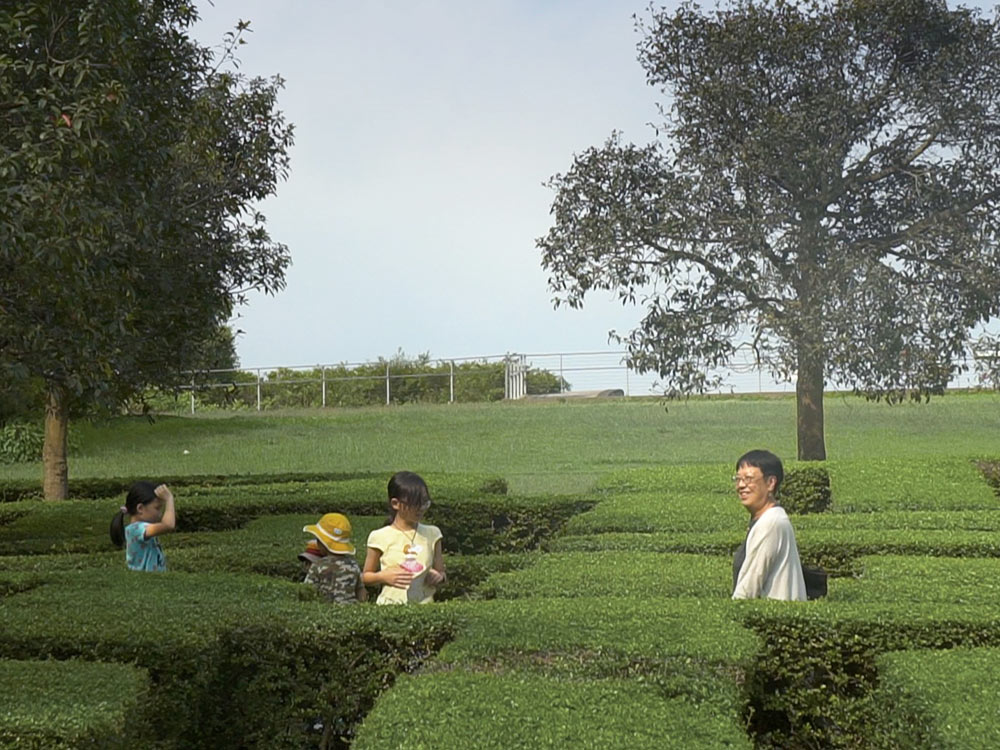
(397, 546)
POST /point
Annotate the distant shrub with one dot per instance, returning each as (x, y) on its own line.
(806, 489)
(446, 485)
(21, 442)
(410, 380)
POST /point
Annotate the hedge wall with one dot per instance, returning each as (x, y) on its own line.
(940, 700)
(514, 710)
(234, 661)
(471, 524)
(367, 484)
(614, 574)
(65, 705)
(570, 601)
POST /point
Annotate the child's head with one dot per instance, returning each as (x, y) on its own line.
(142, 504)
(314, 551)
(334, 532)
(408, 490)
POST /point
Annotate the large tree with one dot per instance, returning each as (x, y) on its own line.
(824, 184)
(131, 159)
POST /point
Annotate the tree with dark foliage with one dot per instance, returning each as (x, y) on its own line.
(826, 184)
(130, 164)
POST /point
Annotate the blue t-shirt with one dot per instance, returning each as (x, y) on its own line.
(141, 553)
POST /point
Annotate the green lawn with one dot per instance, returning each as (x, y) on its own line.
(540, 446)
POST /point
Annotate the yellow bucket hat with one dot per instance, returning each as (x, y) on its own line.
(334, 532)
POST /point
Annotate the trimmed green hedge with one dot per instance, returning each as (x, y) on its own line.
(922, 581)
(812, 681)
(72, 704)
(941, 700)
(647, 512)
(684, 479)
(470, 524)
(234, 661)
(805, 489)
(821, 539)
(371, 484)
(689, 632)
(486, 711)
(881, 484)
(614, 574)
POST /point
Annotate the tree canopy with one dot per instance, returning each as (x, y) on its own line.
(131, 162)
(824, 183)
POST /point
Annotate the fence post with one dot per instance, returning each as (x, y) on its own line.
(451, 382)
(386, 383)
(192, 394)
(324, 385)
(514, 368)
(627, 394)
(258, 389)
(561, 379)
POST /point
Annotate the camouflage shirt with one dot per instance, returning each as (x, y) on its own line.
(338, 578)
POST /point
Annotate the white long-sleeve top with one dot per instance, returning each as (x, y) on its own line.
(772, 568)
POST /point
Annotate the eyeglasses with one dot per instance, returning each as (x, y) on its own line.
(740, 479)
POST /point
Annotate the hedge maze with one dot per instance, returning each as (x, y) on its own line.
(569, 621)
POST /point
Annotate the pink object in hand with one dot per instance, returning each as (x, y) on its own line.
(411, 565)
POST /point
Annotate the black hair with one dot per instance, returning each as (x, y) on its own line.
(409, 489)
(140, 493)
(768, 463)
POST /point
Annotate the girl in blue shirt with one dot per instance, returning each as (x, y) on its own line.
(150, 512)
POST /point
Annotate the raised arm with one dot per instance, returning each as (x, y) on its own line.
(168, 520)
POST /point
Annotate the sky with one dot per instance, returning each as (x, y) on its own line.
(424, 132)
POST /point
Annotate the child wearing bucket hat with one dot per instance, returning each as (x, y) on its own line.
(313, 552)
(335, 573)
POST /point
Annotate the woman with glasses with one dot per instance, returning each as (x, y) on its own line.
(767, 564)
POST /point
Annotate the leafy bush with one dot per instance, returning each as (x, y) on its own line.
(649, 512)
(811, 684)
(514, 710)
(470, 523)
(945, 700)
(71, 704)
(838, 551)
(411, 380)
(372, 484)
(691, 634)
(806, 489)
(614, 574)
(880, 484)
(21, 442)
(227, 674)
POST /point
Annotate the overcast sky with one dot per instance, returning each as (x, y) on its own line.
(424, 130)
(423, 133)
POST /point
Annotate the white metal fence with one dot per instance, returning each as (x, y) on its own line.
(574, 372)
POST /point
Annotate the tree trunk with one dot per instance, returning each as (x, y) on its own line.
(809, 407)
(55, 481)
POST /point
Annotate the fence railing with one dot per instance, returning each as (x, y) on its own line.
(507, 376)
